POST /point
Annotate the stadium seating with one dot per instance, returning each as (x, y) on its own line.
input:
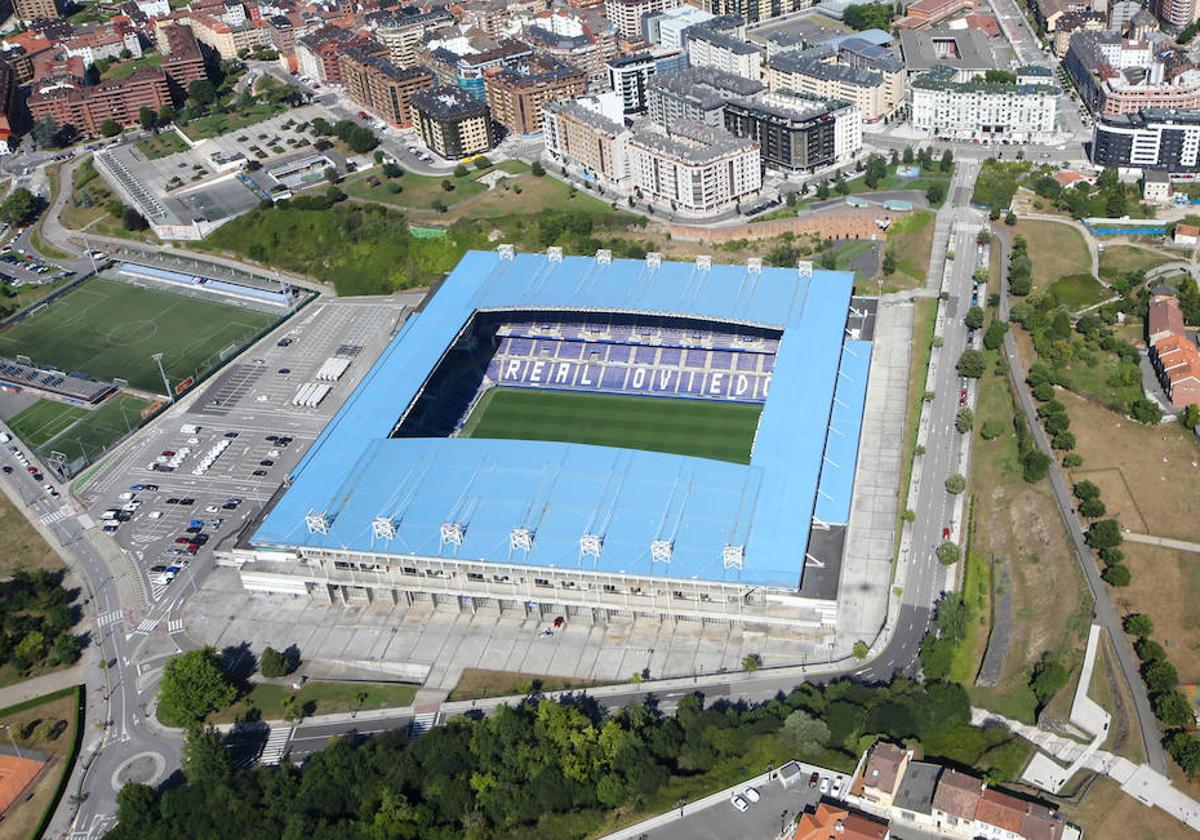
(633, 359)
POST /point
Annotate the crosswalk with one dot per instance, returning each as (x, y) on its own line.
(91, 828)
(110, 617)
(421, 723)
(175, 625)
(147, 625)
(57, 516)
(276, 747)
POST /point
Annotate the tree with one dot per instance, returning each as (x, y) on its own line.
(1160, 676)
(447, 185)
(1111, 556)
(889, 262)
(273, 664)
(1149, 651)
(64, 650)
(1048, 677)
(964, 421)
(1173, 709)
(1064, 441)
(20, 207)
(1145, 411)
(822, 191)
(860, 650)
(1035, 465)
(1104, 534)
(193, 684)
(1085, 490)
(137, 808)
(1072, 460)
(840, 186)
(1010, 218)
(331, 174)
(1092, 509)
(110, 128)
(971, 364)
(536, 169)
(482, 162)
(461, 171)
(30, 650)
(1138, 624)
(993, 336)
(202, 92)
(1182, 746)
(205, 760)
(947, 160)
(992, 429)
(956, 484)
(936, 193)
(47, 133)
(936, 656)
(1117, 575)
(804, 732)
(974, 318)
(1190, 417)
(948, 553)
(146, 117)
(751, 662)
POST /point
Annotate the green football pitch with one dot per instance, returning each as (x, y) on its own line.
(43, 420)
(116, 417)
(109, 330)
(723, 431)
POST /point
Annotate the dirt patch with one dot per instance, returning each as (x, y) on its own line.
(1158, 466)
(21, 547)
(1105, 813)
(1166, 586)
(1108, 689)
(476, 683)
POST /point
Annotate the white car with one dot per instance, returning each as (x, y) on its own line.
(212, 509)
(752, 794)
(739, 804)
(824, 785)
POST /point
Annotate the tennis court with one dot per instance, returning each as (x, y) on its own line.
(43, 420)
(108, 329)
(99, 429)
(708, 429)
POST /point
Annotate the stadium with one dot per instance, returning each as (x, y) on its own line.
(590, 437)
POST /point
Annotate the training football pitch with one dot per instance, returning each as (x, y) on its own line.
(723, 431)
(43, 420)
(97, 430)
(109, 329)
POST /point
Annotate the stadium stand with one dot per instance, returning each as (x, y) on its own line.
(71, 386)
(208, 284)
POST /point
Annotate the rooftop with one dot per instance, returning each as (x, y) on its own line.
(965, 49)
(883, 766)
(706, 87)
(446, 102)
(944, 78)
(722, 40)
(958, 794)
(917, 786)
(355, 472)
(688, 141)
(809, 64)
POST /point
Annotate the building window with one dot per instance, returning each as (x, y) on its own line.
(540, 582)
(474, 576)
(409, 570)
(608, 587)
(500, 578)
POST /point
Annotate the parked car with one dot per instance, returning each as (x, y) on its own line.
(751, 794)
(739, 804)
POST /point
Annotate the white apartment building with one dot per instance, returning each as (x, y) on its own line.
(979, 110)
(709, 48)
(696, 169)
(820, 74)
(588, 134)
(668, 30)
(627, 15)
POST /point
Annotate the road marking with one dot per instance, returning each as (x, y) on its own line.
(175, 625)
(108, 618)
(147, 626)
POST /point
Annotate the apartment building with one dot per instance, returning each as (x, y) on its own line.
(670, 28)
(515, 94)
(8, 106)
(710, 48)
(629, 76)
(929, 12)
(1022, 111)
(586, 43)
(376, 85)
(855, 71)
(754, 11)
(452, 122)
(463, 60)
(1175, 13)
(402, 30)
(182, 60)
(967, 51)
(588, 134)
(69, 102)
(27, 10)
(1151, 139)
(226, 39)
(105, 42)
(1172, 352)
(696, 169)
(1117, 76)
(627, 15)
(317, 53)
(698, 94)
(1072, 22)
(796, 134)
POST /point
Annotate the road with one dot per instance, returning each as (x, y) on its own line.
(1105, 614)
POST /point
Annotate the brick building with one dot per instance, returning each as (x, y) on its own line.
(516, 94)
(69, 102)
(452, 122)
(375, 84)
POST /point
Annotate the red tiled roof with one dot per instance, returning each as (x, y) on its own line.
(958, 794)
(1001, 810)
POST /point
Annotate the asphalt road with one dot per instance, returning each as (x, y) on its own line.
(1105, 615)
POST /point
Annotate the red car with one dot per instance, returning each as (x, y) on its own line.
(945, 533)
(182, 540)
(192, 549)
(31, 470)
(168, 453)
(559, 622)
(962, 397)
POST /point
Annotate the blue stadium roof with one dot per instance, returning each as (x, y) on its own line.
(354, 473)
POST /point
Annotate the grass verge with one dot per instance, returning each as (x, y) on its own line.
(924, 321)
(477, 683)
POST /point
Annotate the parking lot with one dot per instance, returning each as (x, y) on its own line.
(200, 472)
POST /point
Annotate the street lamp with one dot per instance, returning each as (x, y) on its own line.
(8, 728)
(157, 357)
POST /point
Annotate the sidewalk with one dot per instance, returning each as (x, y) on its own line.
(37, 686)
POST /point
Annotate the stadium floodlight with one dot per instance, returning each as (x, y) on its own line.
(653, 259)
(157, 357)
(590, 545)
(804, 268)
(554, 254)
(452, 533)
(318, 523)
(704, 262)
(661, 551)
(604, 257)
(507, 250)
(383, 528)
(520, 539)
(754, 265)
(733, 556)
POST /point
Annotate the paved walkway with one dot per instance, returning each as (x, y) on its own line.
(1163, 542)
(37, 686)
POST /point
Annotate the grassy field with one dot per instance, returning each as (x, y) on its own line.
(1019, 523)
(724, 431)
(1056, 250)
(911, 240)
(124, 69)
(924, 321)
(119, 415)
(216, 124)
(977, 593)
(892, 181)
(108, 329)
(1118, 259)
(1108, 813)
(22, 547)
(53, 730)
(43, 420)
(1077, 291)
(161, 145)
(476, 683)
(318, 698)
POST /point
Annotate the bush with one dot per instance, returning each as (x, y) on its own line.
(956, 484)
(273, 664)
(1138, 624)
(993, 336)
(860, 650)
(1035, 465)
(971, 364)
(1104, 534)
(1072, 460)
(1117, 576)
(974, 318)
(461, 171)
(964, 421)
(1144, 411)
(1049, 676)
(482, 162)
(948, 553)
(536, 169)
(992, 429)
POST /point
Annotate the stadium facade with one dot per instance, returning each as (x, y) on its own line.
(395, 503)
